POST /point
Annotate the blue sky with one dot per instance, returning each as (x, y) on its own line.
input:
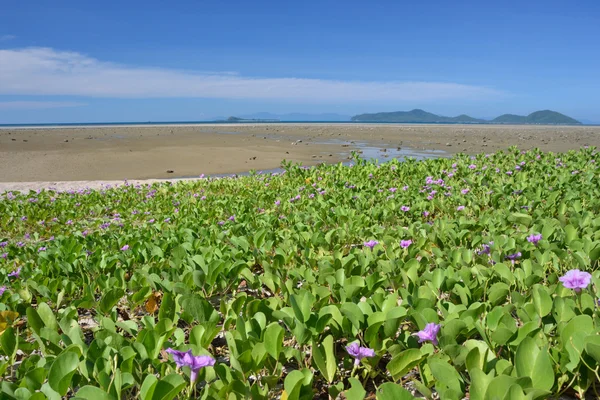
(74, 61)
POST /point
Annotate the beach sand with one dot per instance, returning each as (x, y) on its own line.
(50, 155)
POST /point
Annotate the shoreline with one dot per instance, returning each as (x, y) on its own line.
(116, 153)
(93, 125)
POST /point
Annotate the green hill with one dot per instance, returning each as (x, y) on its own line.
(539, 117)
(510, 119)
(415, 115)
(544, 117)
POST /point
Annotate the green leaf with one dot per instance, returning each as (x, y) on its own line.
(167, 307)
(47, 316)
(535, 363)
(62, 370)
(392, 391)
(446, 375)
(301, 304)
(515, 392)
(403, 362)
(92, 393)
(273, 339)
(592, 346)
(542, 300)
(34, 321)
(168, 387)
(294, 381)
(110, 299)
(520, 218)
(356, 391)
(8, 342)
(148, 386)
(324, 357)
(479, 383)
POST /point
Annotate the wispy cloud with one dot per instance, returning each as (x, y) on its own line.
(37, 105)
(6, 38)
(46, 71)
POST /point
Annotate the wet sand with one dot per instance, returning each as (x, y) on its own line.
(145, 152)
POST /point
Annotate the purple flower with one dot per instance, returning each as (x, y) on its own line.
(464, 191)
(405, 243)
(3, 244)
(277, 202)
(472, 166)
(15, 273)
(514, 256)
(405, 208)
(393, 190)
(535, 238)
(2, 290)
(187, 359)
(4, 255)
(576, 279)
(125, 248)
(221, 223)
(232, 218)
(23, 218)
(41, 249)
(429, 333)
(425, 213)
(460, 208)
(151, 220)
(84, 233)
(359, 352)
(485, 249)
(167, 220)
(371, 243)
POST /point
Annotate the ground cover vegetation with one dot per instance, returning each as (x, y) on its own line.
(451, 277)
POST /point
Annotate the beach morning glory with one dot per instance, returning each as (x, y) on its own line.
(187, 359)
(125, 248)
(405, 243)
(576, 279)
(359, 352)
(429, 333)
(535, 238)
(371, 243)
(405, 208)
(15, 273)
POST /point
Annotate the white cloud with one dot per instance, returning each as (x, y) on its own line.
(45, 71)
(37, 105)
(6, 38)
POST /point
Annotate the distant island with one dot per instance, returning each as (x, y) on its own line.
(237, 119)
(545, 117)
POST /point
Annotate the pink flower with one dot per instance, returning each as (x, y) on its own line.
(576, 279)
(405, 208)
(125, 248)
(405, 243)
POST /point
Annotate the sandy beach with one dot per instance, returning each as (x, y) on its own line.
(115, 153)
